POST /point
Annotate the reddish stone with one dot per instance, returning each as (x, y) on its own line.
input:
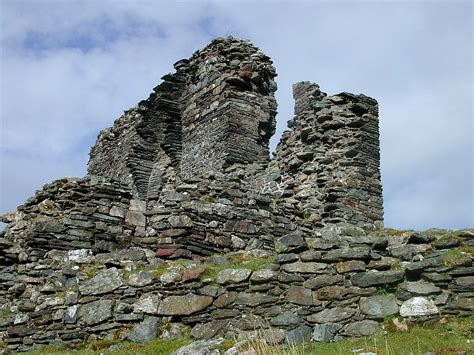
(300, 295)
(165, 252)
(219, 240)
(192, 274)
(242, 226)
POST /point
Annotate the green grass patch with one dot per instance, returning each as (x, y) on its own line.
(6, 313)
(452, 257)
(236, 261)
(90, 270)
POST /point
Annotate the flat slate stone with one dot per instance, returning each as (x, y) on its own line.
(300, 295)
(379, 307)
(367, 279)
(332, 315)
(325, 332)
(96, 312)
(420, 288)
(304, 268)
(230, 276)
(363, 328)
(299, 335)
(183, 305)
(146, 330)
(147, 303)
(105, 281)
(141, 279)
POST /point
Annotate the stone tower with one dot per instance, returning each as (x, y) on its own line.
(217, 109)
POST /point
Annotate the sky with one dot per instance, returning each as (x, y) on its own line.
(70, 68)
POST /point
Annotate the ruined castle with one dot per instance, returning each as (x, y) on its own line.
(186, 175)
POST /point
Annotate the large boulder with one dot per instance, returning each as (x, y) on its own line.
(418, 306)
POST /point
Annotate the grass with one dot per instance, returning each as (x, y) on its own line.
(6, 313)
(90, 270)
(236, 261)
(453, 256)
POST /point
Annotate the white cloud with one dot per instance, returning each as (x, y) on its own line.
(69, 70)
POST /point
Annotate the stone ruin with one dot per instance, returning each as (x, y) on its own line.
(182, 184)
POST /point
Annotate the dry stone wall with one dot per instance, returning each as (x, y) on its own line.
(341, 282)
(185, 223)
(331, 156)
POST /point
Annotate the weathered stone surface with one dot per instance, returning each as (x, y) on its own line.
(420, 288)
(293, 242)
(183, 305)
(146, 330)
(298, 335)
(287, 318)
(209, 330)
(328, 293)
(229, 276)
(332, 315)
(225, 299)
(463, 284)
(201, 347)
(420, 238)
(254, 299)
(105, 281)
(350, 266)
(362, 328)
(418, 306)
(148, 303)
(96, 312)
(322, 281)
(347, 254)
(135, 218)
(368, 279)
(180, 221)
(379, 307)
(325, 332)
(79, 256)
(141, 278)
(70, 316)
(264, 275)
(305, 268)
(300, 295)
(446, 243)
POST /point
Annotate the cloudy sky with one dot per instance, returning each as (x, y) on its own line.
(70, 68)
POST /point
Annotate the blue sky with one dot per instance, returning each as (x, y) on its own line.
(70, 68)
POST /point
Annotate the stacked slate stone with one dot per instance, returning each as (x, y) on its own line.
(332, 156)
(91, 213)
(145, 135)
(340, 283)
(217, 213)
(230, 107)
(216, 110)
(186, 175)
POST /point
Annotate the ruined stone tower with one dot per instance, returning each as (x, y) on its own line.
(216, 110)
(186, 174)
